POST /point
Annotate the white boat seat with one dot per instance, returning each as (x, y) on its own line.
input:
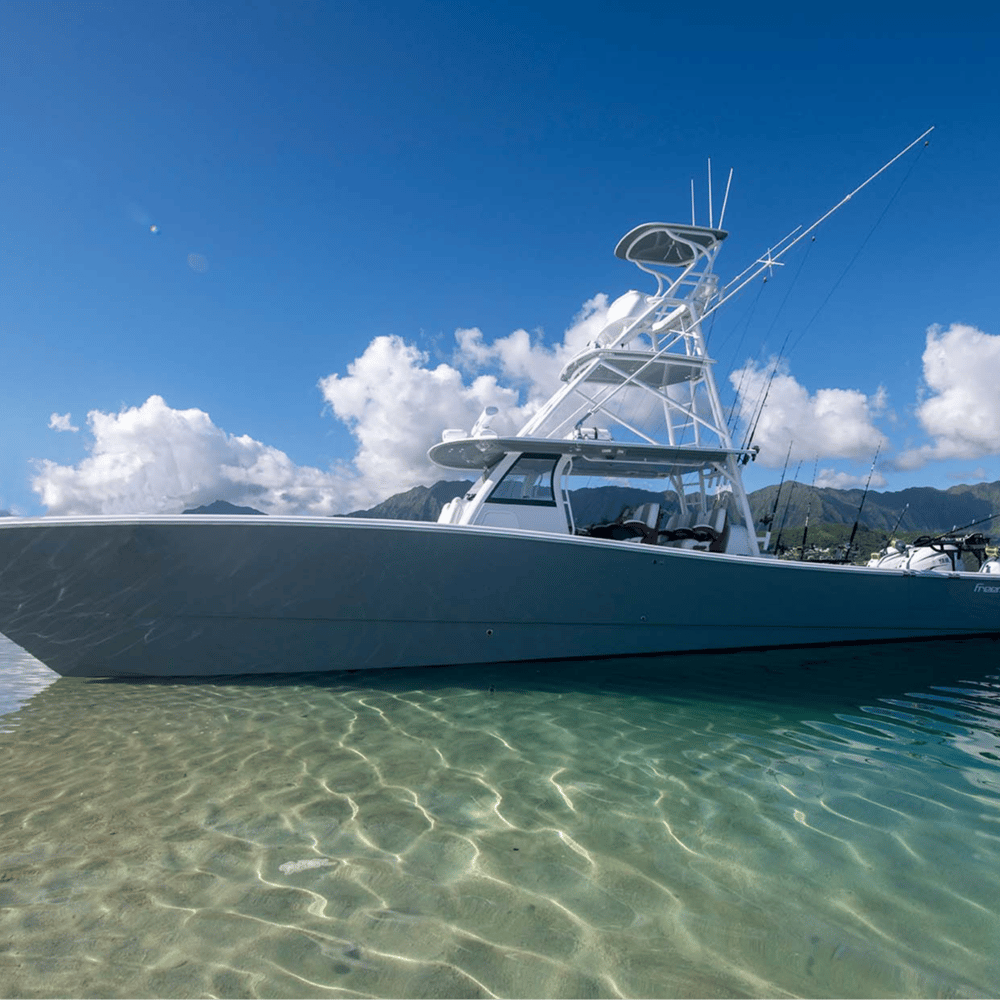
(696, 528)
(648, 513)
(679, 527)
(710, 527)
(644, 521)
(627, 532)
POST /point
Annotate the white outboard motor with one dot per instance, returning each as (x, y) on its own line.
(942, 557)
(893, 557)
(991, 560)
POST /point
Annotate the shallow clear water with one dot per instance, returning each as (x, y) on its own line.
(812, 823)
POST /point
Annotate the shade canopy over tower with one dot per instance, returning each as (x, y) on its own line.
(667, 243)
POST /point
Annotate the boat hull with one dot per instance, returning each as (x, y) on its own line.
(206, 596)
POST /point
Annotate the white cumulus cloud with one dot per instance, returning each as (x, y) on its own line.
(829, 423)
(155, 459)
(396, 404)
(396, 407)
(61, 422)
(523, 360)
(960, 409)
(847, 481)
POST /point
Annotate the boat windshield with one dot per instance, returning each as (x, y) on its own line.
(528, 481)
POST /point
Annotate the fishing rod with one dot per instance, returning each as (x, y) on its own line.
(887, 539)
(899, 521)
(805, 530)
(788, 504)
(861, 506)
(933, 540)
(759, 412)
(768, 519)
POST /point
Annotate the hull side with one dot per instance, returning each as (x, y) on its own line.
(208, 596)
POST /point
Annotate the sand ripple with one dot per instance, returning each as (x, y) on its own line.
(769, 824)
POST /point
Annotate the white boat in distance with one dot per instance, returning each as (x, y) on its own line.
(506, 574)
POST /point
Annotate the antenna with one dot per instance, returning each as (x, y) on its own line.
(692, 201)
(711, 217)
(722, 215)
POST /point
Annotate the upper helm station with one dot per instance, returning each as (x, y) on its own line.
(638, 402)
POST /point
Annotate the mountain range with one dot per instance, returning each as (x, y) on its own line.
(918, 509)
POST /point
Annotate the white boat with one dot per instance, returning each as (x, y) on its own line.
(506, 574)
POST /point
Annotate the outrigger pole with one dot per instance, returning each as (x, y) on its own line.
(762, 264)
(767, 262)
(772, 258)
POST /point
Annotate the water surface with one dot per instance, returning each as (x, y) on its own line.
(795, 823)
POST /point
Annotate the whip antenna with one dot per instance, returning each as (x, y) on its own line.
(726, 197)
(711, 217)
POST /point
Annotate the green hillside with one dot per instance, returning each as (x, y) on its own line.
(831, 512)
(928, 511)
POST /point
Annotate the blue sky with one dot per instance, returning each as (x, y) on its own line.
(350, 184)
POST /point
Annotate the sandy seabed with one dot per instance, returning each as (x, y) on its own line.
(769, 824)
